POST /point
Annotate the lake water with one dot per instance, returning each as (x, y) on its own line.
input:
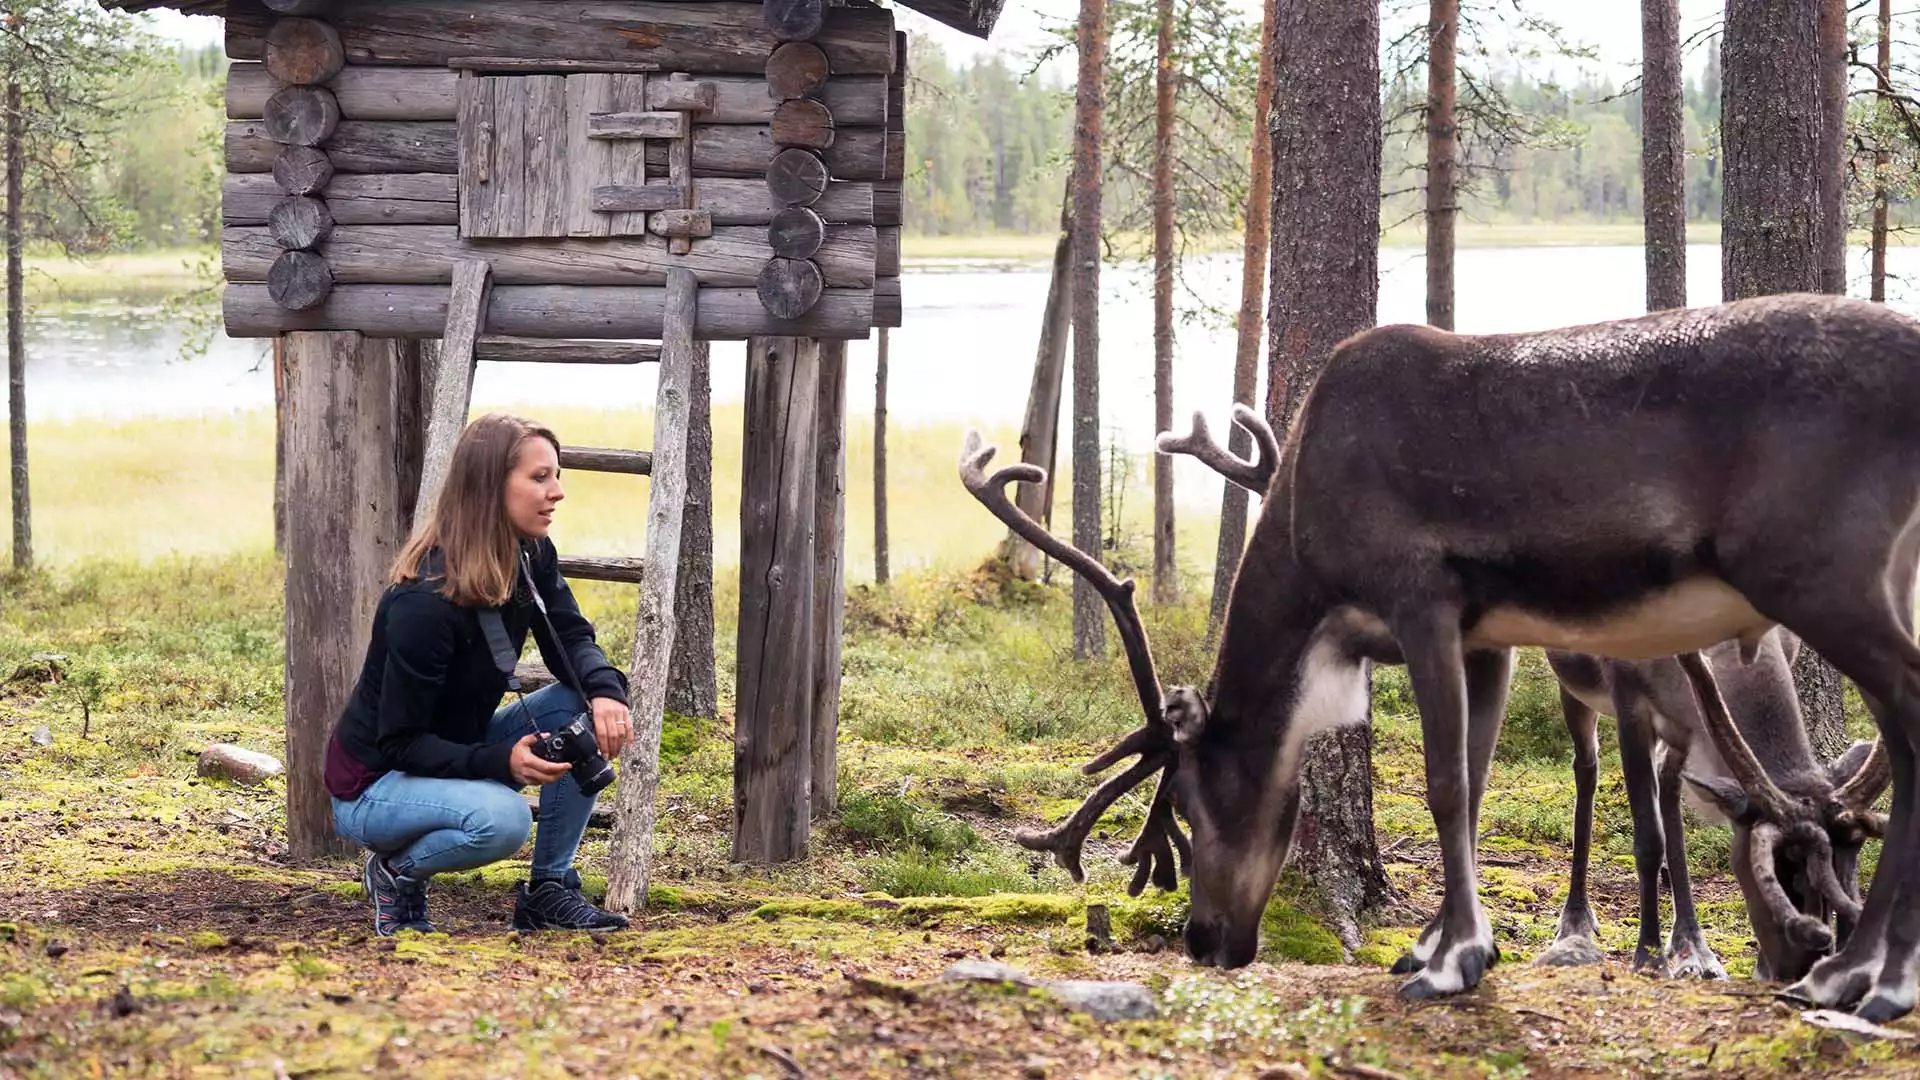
(964, 354)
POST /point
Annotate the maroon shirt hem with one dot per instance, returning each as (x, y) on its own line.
(345, 775)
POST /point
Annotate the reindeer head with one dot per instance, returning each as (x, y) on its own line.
(1199, 776)
(1795, 856)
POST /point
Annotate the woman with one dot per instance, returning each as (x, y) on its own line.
(425, 766)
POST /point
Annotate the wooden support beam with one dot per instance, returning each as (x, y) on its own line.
(722, 36)
(303, 51)
(687, 224)
(544, 311)
(433, 199)
(301, 115)
(453, 389)
(427, 93)
(632, 851)
(546, 351)
(301, 170)
(298, 222)
(592, 459)
(887, 203)
(396, 146)
(772, 761)
(344, 527)
(427, 254)
(602, 568)
(829, 574)
(887, 302)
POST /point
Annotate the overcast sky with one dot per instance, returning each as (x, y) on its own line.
(1611, 26)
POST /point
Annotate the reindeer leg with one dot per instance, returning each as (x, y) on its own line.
(1573, 944)
(1643, 797)
(1688, 954)
(1463, 949)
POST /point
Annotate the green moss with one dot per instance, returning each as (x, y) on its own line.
(830, 910)
(678, 898)
(1137, 918)
(21, 991)
(207, 940)
(1031, 909)
(1383, 946)
(346, 890)
(1289, 934)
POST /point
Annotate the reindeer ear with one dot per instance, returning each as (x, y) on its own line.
(1723, 792)
(1841, 769)
(1186, 713)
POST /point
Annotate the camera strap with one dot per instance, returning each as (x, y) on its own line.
(507, 659)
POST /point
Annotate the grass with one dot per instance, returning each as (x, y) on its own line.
(53, 277)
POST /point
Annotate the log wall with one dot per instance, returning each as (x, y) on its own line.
(344, 153)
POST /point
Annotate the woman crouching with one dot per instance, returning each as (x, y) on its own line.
(425, 765)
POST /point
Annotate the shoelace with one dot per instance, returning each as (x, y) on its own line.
(571, 906)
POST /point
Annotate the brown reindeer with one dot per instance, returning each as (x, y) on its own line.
(1663, 740)
(1634, 489)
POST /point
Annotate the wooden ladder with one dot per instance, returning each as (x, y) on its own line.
(665, 466)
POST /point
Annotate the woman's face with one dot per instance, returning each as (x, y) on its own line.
(533, 488)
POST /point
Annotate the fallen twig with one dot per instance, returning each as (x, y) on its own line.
(785, 1059)
(1542, 1015)
(1365, 1072)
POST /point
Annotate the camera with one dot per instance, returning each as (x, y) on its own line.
(574, 744)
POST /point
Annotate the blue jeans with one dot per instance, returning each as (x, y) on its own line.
(426, 825)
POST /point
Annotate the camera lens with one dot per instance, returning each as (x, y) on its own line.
(593, 775)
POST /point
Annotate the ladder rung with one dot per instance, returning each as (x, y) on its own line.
(533, 675)
(564, 351)
(632, 462)
(600, 569)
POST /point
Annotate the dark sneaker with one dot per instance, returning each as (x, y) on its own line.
(560, 905)
(399, 903)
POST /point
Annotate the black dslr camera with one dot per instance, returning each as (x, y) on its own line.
(574, 744)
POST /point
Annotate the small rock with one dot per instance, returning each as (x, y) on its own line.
(238, 764)
(43, 736)
(756, 988)
(599, 940)
(338, 997)
(984, 971)
(1106, 1000)
(123, 1004)
(997, 951)
(1034, 1069)
(56, 949)
(1153, 944)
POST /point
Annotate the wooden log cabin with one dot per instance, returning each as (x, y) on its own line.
(413, 186)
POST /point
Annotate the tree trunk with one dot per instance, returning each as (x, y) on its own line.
(17, 336)
(1443, 31)
(693, 688)
(1089, 611)
(1246, 356)
(1771, 123)
(1663, 150)
(1326, 223)
(1166, 586)
(1041, 430)
(880, 571)
(773, 729)
(1883, 69)
(1833, 137)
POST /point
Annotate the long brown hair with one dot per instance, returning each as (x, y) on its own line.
(468, 522)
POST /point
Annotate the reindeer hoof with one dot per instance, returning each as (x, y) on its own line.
(1828, 990)
(1570, 952)
(1693, 960)
(1882, 1008)
(1407, 964)
(1461, 969)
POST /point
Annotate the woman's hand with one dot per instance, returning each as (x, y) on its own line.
(612, 726)
(529, 768)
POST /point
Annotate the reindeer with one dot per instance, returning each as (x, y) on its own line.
(1633, 489)
(1663, 739)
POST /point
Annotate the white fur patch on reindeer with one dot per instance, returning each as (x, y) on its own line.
(1689, 615)
(1331, 692)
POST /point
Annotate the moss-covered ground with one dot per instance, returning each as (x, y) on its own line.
(154, 925)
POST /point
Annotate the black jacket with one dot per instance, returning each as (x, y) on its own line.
(429, 685)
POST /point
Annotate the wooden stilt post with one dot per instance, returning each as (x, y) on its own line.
(344, 506)
(829, 573)
(772, 758)
(631, 859)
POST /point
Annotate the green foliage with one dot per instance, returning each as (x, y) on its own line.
(919, 873)
(893, 821)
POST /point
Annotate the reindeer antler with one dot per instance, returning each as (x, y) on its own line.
(1773, 805)
(1864, 787)
(1153, 742)
(1806, 930)
(1255, 474)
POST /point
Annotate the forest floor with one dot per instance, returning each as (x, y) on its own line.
(156, 927)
